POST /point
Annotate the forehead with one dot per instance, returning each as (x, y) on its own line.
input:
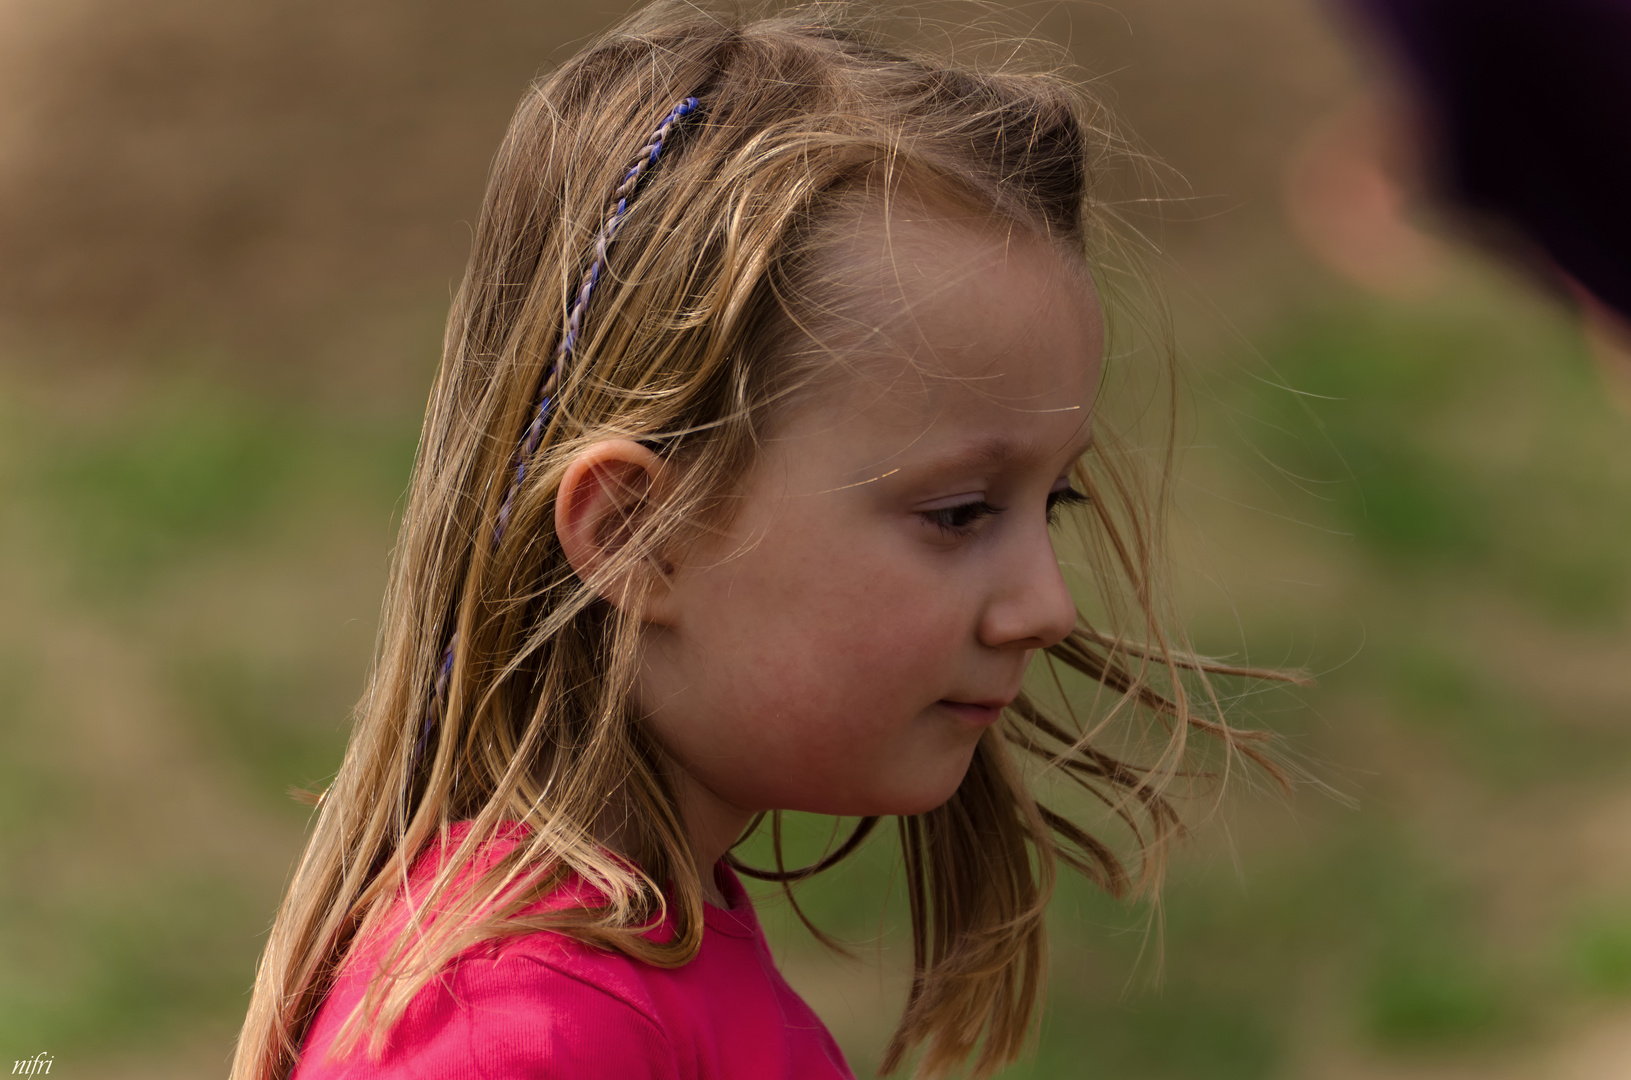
(911, 260)
(960, 328)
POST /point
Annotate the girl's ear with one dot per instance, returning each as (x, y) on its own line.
(605, 495)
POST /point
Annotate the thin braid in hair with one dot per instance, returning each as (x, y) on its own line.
(574, 318)
(644, 161)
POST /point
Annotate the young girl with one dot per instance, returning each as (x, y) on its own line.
(773, 365)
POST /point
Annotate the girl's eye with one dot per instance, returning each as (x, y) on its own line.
(1063, 497)
(959, 519)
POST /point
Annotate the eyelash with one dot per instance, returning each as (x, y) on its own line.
(1064, 497)
(957, 520)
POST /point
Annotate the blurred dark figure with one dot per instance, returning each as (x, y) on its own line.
(1525, 107)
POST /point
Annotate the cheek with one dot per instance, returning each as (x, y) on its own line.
(850, 633)
(804, 667)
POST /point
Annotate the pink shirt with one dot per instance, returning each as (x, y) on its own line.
(543, 1006)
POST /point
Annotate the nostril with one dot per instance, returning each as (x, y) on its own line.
(1064, 615)
(1036, 611)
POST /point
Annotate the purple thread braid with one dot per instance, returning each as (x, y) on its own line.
(646, 158)
(438, 694)
(534, 435)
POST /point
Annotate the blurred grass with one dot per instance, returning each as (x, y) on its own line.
(1458, 443)
(1597, 952)
(1449, 477)
(111, 973)
(180, 469)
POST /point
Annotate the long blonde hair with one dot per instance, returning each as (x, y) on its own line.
(688, 346)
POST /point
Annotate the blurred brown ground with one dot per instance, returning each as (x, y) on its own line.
(287, 177)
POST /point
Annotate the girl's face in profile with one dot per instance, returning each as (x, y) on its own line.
(889, 572)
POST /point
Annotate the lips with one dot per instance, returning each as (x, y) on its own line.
(978, 713)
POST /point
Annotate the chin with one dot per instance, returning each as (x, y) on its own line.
(895, 793)
(923, 806)
(920, 800)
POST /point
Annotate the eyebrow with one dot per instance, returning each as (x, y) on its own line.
(992, 453)
(998, 451)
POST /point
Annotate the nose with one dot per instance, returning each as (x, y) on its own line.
(1031, 608)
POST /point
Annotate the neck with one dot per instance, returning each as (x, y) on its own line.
(711, 826)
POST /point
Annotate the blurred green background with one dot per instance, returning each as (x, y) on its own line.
(228, 234)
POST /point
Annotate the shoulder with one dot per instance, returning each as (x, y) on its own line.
(550, 1009)
(532, 1008)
